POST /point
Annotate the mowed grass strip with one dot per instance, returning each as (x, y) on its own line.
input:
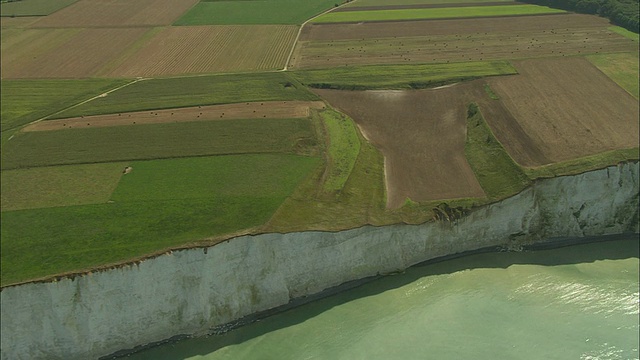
(435, 13)
(495, 170)
(285, 12)
(624, 32)
(33, 7)
(59, 185)
(343, 149)
(621, 68)
(400, 76)
(178, 92)
(361, 3)
(24, 101)
(42, 242)
(157, 141)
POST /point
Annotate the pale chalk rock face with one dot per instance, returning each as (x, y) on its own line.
(191, 291)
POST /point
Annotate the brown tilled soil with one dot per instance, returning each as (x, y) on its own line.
(253, 110)
(114, 13)
(421, 134)
(562, 109)
(207, 49)
(63, 53)
(17, 22)
(425, 6)
(457, 41)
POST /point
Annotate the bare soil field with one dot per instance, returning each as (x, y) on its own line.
(561, 109)
(62, 53)
(421, 134)
(456, 41)
(251, 110)
(113, 13)
(210, 49)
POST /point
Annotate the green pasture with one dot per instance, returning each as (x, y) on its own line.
(588, 163)
(245, 12)
(178, 92)
(400, 76)
(621, 68)
(33, 7)
(342, 150)
(157, 141)
(59, 185)
(42, 242)
(435, 13)
(495, 170)
(624, 32)
(24, 101)
(361, 3)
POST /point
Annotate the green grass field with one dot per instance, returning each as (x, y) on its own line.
(621, 68)
(584, 164)
(342, 150)
(24, 101)
(624, 32)
(245, 12)
(400, 76)
(157, 141)
(176, 205)
(435, 13)
(33, 7)
(59, 185)
(361, 3)
(193, 91)
(495, 170)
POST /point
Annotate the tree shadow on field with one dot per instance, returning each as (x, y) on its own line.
(563, 252)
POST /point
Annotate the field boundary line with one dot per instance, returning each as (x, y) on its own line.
(295, 42)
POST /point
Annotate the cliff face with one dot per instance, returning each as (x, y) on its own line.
(190, 291)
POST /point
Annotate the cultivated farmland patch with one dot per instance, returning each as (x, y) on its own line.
(561, 109)
(210, 49)
(253, 110)
(455, 44)
(97, 13)
(32, 7)
(63, 53)
(421, 134)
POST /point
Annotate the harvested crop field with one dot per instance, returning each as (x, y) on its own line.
(561, 109)
(99, 13)
(17, 22)
(421, 134)
(456, 41)
(63, 53)
(253, 110)
(369, 3)
(209, 49)
(32, 7)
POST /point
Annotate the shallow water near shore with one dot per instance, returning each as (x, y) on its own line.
(577, 302)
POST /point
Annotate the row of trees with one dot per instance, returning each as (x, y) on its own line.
(623, 13)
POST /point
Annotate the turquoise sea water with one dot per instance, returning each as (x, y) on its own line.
(578, 302)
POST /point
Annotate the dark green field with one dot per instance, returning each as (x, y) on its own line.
(245, 12)
(157, 141)
(193, 91)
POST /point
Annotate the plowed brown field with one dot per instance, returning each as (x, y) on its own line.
(437, 41)
(209, 49)
(421, 134)
(252, 110)
(62, 53)
(561, 109)
(100, 13)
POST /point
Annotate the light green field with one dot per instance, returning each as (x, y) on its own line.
(361, 3)
(343, 149)
(400, 76)
(59, 185)
(621, 68)
(581, 165)
(435, 13)
(177, 205)
(245, 12)
(24, 101)
(624, 32)
(157, 141)
(193, 91)
(33, 7)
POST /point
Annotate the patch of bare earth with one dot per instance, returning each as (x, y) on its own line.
(438, 41)
(561, 109)
(421, 134)
(252, 110)
(114, 13)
